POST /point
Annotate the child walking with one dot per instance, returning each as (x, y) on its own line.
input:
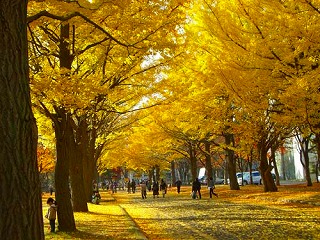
(51, 214)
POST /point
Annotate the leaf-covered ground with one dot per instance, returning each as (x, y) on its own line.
(291, 213)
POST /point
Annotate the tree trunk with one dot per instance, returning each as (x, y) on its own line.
(265, 169)
(90, 155)
(63, 196)
(157, 168)
(63, 131)
(304, 156)
(173, 174)
(79, 199)
(317, 142)
(283, 164)
(208, 160)
(193, 162)
(231, 163)
(305, 152)
(273, 160)
(20, 198)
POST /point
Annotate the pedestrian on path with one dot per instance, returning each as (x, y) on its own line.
(211, 187)
(163, 187)
(143, 187)
(196, 187)
(155, 189)
(133, 186)
(178, 184)
(52, 213)
(129, 186)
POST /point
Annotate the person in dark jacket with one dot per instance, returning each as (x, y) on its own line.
(178, 184)
(196, 187)
(163, 187)
(155, 189)
(211, 187)
(133, 185)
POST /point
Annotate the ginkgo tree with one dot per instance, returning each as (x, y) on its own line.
(257, 52)
(88, 58)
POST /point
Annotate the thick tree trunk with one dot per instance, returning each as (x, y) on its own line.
(90, 155)
(63, 196)
(20, 198)
(231, 163)
(265, 169)
(273, 160)
(64, 136)
(79, 199)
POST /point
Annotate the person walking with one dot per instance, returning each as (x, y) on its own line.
(211, 187)
(52, 213)
(196, 187)
(129, 186)
(178, 184)
(163, 187)
(133, 186)
(143, 187)
(155, 189)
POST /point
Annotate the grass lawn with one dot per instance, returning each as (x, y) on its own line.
(291, 213)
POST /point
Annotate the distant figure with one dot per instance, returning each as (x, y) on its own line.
(143, 187)
(211, 187)
(114, 186)
(196, 187)
(96, 197)
(163, 187)
(133, 185)
(129, 186)
(178, 184)
(50, 189)
(52, 213)
(149, 185)
(155, 189)
(94, 186)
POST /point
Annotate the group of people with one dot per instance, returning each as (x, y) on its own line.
(196, 188)
(162, 187)
(156, 188)
(131, 186)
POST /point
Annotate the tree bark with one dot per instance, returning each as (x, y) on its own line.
(273, 160)
(305, 152)
(208, 159)
(193, 161)
(231, 163)
(20, 198)
(173, 174)
(63, 131)
(265, 168)
(79, 199)
(317, 142)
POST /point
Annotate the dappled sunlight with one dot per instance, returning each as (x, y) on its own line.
(291, 213)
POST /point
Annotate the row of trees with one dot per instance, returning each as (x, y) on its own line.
(247, 81)
(214, 79)
(91, 64)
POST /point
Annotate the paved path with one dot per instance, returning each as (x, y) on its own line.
(180, 217)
